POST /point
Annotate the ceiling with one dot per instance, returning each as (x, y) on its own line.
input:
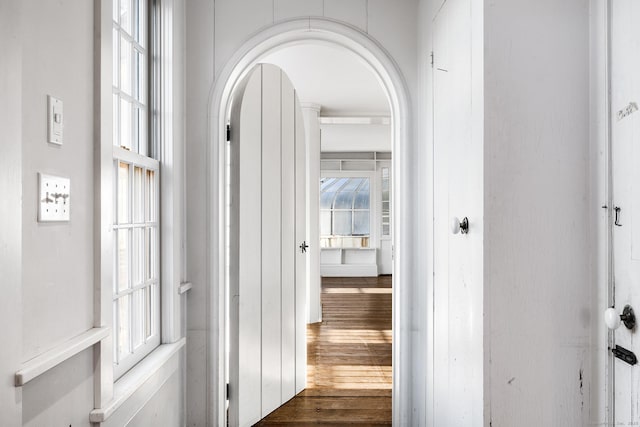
(333, 77)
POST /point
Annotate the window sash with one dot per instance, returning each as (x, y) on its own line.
(131, 105)
(136, 304)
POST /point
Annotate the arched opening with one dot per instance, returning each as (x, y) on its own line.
(315, 30)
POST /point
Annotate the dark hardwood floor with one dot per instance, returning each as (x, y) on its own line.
(349, 359)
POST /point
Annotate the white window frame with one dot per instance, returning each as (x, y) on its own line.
(136, 153)
(110, 394)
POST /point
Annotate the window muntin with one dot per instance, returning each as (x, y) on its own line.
(136, 288)
(345, 214)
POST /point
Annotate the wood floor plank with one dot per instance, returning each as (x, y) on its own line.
(349, 358)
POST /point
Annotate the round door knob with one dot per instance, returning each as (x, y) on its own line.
(613, 319)
(455, 225)
(458, 226)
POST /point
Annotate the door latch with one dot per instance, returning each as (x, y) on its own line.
(625, 355)
(617, 209)
(303, 247)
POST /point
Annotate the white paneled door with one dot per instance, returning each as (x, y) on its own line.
(267, 273)
(457, 194)
(625, 224)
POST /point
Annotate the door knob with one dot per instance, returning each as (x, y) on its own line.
(613, 319)
(458, 226)
(303, 247)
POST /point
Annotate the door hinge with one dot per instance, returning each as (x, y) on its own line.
(228, 133)
(432, 60)
(228, 391)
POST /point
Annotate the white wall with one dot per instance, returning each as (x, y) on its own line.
(355, 137)
(538, 278)
(598, 197)
(57, 263)
(538, 282)
(216, 31)
(10, 216)
(57, 301)
(48, 48)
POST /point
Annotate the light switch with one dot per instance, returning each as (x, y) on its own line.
(56, 120)
(55, 198)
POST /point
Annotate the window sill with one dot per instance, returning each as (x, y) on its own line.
(129, 383)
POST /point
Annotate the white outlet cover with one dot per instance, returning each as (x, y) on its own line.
(55, 120)
(54, 203)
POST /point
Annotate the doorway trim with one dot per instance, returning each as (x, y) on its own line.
(278, 36)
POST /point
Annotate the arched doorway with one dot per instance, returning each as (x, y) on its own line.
(316, 30)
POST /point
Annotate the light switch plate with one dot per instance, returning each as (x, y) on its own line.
(55, 119)
(54, 198)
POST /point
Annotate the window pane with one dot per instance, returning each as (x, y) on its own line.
(140, 83)
(125, 66)
(344, 200)
(362, 200)
(361, 223)
(150, 196)
(125, 15)
(141, 27)
(137, 315)
(138, 256)
(342, 223)
(123, 260)
(116, 120)
(150, 251)
(325, 223)
(116, 56)
(124, 322)
(115, 331)
(125, 124)
(352, 184)
(326, 199)
(140, 131)
(123, 193)
(326, 183)
(338, 184)
(138, 196)
(148, 311)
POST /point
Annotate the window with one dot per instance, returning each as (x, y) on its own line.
(136, 287)
(345, 212)
(386, 202)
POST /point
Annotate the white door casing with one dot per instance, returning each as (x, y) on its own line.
(625, 176)
(277, 36)
(267, 272)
